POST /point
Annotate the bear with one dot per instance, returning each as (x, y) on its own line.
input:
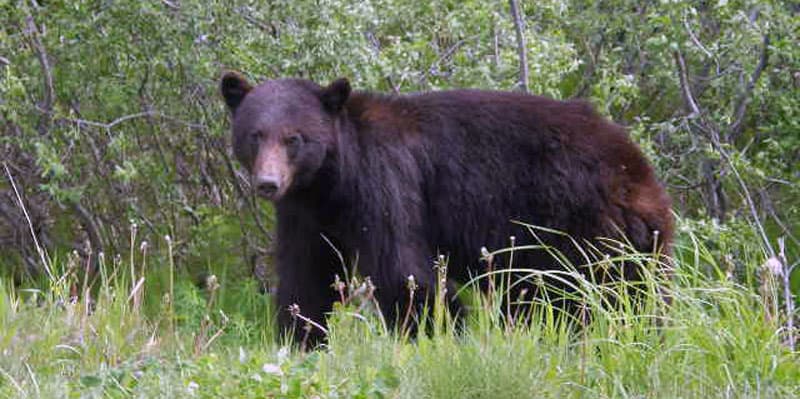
(395, 181)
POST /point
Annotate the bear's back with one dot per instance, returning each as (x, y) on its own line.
(494, 156)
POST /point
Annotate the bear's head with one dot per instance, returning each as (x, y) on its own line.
(284, 130)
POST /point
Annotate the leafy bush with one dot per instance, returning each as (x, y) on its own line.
(110, 118)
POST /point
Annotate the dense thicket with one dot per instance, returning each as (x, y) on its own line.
(111, 116)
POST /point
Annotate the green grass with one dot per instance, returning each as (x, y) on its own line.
(168, 338)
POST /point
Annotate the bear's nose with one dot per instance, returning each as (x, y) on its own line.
(267, 187)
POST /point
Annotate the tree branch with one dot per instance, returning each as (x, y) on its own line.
(446, 55)
(748, 198)
(263, 26)
(496, 46)
(90, 226)
(125, 118)
(686, 90)
(47, 75)
(45, 259)
(171, 5)
(695, 40)
(519, 27)
(735, 128)
(244, 193)
(788, 298)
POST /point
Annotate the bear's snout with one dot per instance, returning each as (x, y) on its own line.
(271, 173)
(267, 186)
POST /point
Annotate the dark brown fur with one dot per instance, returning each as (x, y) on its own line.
(404, 178)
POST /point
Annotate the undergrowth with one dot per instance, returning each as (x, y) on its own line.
(137, 328)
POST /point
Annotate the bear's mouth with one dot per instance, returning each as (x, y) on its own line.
(267, 190)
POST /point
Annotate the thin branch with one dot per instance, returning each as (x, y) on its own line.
(592, 55)
(18, 227)
(395, 87)
(775, 180)
(683, 77)
(446, 55)
(245, 194)
(452, 49)
(519, 27)
(695, 40)
(171, 5)
(496, 46)
(125, 118)
(39, 249)
(4, 61)
(744, 99)
(713, 133)
(263, 26)
(748, 199)
(91, 228)
(766, 203)
(47, 75)
(788, 298)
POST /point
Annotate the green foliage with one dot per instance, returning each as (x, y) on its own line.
(132, 130)
(137, 130)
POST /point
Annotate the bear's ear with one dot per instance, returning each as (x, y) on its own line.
(335, 95)
(234, 87)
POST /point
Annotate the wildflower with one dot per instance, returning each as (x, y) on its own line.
(211, 283)
(242, 355)
(283, 355)
(412, 283)
(294, 309)
(774, 266)
(273, 369)
(192, 387)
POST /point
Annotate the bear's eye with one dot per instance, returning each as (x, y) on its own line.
(255, 135)
(294, 140)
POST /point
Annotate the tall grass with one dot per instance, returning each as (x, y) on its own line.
(138, 328)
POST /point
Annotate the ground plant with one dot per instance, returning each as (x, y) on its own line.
(135, 260)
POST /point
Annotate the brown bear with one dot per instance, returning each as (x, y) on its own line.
(396, 180)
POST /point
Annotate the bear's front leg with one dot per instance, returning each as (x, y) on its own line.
(391, 265)
(303, 302)
(306, 265)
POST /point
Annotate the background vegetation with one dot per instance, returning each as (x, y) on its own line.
(116, 142)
